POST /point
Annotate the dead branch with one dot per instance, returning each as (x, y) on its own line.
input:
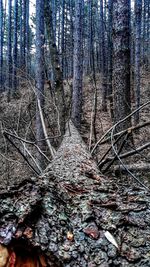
(133, 128)
(133, 167)
(28, 142)
(118, 157)
(20, 152)
(119, 150)
(30, 155)
(93, 117)
(114, 126)
(125, 155)
(102, 161)
(52, 150)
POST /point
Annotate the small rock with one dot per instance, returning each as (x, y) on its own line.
(75, 254)
(92, 230)
(67, 257)
(66, 247)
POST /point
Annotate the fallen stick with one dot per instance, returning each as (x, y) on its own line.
(133, 167)
(20, 152)
(52, 150)
(109, 130)
(133, 128)
(125, 155)
(101, 162)
(119, 151)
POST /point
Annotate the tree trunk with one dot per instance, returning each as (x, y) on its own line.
(72, 215)
(15, 49)
(9, 48)
(71, 38)
(24, 36)
(57, 85)
(110, 50)
(39, 75)
(63, 39)
(78, 65)
(90, 38)
(1, 45)
(121, 62)
(27, 38)
(104, 78)
(21, 37)
(138, 17)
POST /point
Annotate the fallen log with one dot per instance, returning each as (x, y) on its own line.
(74, 216)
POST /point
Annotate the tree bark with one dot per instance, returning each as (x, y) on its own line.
(1, 46)
(72, 214)
(110, 50)
(104, 78)
(121, 62)
(39, 75)
(138, 17)
(78, 65)
(57, 84)
(15, 49)
(9, 48)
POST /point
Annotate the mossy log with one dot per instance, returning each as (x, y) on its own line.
(75, 216)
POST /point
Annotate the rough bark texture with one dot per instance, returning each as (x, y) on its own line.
(9, 45)
(58, 90)
(110, 49)
(15, 50)
(1, 44)
(77, 65)
(21, 36)
(39, 75)
(121, 61)
(66, 213)
(104, 72)
(27, 38)
(24, 36)
(90, 37)
(138, 17)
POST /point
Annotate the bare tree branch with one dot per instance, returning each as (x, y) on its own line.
(20, 152)
(133, 128)
(52, 150)
(109, 130)
(125, 155)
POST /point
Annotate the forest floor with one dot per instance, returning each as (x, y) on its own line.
(18, 117)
